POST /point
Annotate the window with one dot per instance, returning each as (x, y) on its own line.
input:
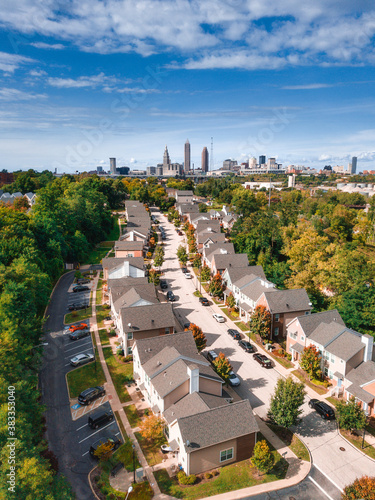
(293, 335)
(326, 355)
(302, 338)
(332, 358)
(276, 331)
(167, 330)
(277, 317)
(226, 455)
(129, 351)
(130, 335)
(326, 371)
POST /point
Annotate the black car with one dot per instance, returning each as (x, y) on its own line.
(262, 360)
(111, 439)
(163, 284)
(80, 288)
(204, 301)
(246, 346)
(234, 333)
(77, 307)
(100, 418)
(170, 296)
(79, 334)
(82, 281)
(89, 395)
(324, 410)
(184, 269)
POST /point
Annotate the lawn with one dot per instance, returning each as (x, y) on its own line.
(96, 255)
(121, 374)
(151, 449)
(102, 311)
(114, 235)
(356, 440)
(197, 293)
(291, 440)
(133, 415)
(232, 477)
(99, 292)
(230, 316)
(283, 361)
(80, 379)
(319, 390)
(242, 326)
(78, 315)
(104, 339)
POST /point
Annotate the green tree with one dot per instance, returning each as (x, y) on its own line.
(230, 301)
(262, 458)
(286, 402)
(152, 427)
(216, 286)
(311, 361)
(197, 260)
(350, 415)
(182, 254)
(203, 208)
(222, 366)
(154, 277)
(205, 273)
(104, 451)
(363, 488)
(260, 322)
(159, 256)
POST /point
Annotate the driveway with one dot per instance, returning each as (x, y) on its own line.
(257, 383)
(69, 440)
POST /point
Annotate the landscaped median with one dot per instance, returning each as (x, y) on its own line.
(84, 377)
(292, 441)
(231, 477)
(121, 374)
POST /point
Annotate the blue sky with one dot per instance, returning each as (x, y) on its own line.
(82, 81)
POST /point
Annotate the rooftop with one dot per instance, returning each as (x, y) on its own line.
(148, 317)
(283, 301)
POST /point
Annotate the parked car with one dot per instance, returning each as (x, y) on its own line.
(79, 334)
(80, 288)
(184, 269)
(234, 334)
(89, 395)
(170, 296)
(81, 359)
(211, 356)
(165, 448)
(262, 360)
(180, 233)
(77, 307)
(324, 410)
(233, 380)
(163, 284)
(83, 281)
(100, 418)
(188, 276)
(79, 326)
(110, 439)
(204, 301)
(219, 318)
(246, 346)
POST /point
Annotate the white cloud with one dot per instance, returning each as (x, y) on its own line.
(10, 62)
(38, 73)
(81, 82)
(53, 46)
(7, 94)
(311, 86)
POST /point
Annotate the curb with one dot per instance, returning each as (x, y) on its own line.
(352, 445)
(53, 291)
(90, 483)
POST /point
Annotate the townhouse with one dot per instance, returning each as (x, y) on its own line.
(128, 248)
(223, 261)
(212, 249)
(115, 267)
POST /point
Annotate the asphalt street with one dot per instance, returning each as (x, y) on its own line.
(257, 383)
(69, 440)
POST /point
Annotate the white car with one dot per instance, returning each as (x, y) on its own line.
(188, 276)
(219, 318)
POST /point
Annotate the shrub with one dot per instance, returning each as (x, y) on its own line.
(289, 357)
(147, 412)
(186, 480)
(128, 358)
(207, 475)
(215, 472)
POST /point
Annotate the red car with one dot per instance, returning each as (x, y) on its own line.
(80, 326)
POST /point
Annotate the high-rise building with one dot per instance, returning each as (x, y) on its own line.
(262, 160)
(187, 156)
(205, 160)
(353, 168)
(112, 165)
(151, 170)
(166, 159)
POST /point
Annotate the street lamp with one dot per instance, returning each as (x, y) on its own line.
(133, 446)
(130, 489)
(364, 430)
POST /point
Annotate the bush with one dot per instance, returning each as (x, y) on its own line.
(215, 472)
(112, 332)
(128, 358)
(289, 357)
(147, 412)
(207, 475)
(186, 480)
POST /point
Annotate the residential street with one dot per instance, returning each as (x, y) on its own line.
(257, 383)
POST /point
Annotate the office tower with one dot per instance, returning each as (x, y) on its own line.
(166, 159)
(205, 160)
(112, 165)
(187, 156)
(99, 170)
(151, 170)
(353, 165)
(262, 160)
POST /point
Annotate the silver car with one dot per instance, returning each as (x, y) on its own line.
(234, 381)
(81, 359)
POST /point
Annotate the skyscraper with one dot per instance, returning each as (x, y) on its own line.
(166, 159)
(354, 165)
(112, 165)
(187, 156)
(262, 160)
(205, 160)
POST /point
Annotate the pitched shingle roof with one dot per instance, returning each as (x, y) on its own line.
(151, 317)
(236, 273)
(222, 261)
(128, 245)
(114, 262)
(136, 294)
(192, 404)
(324, 333)
(346, 345)
(218, 248)
(309, 322)
(255, 288)
(215, 237)
(283, 301)
(217, 425)
(184, 343)
(363, 374)
(205, 225)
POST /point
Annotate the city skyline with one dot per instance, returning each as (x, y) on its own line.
(96, 81)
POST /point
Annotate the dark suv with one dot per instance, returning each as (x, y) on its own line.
(204, 301)
(80, 288)
(163, 284)
(111, 439)
(79, 334)
(100, 418)
(89, 395)
(324, 410)
(262, 360)
(234, 333)
(170, 296)
(246, 346)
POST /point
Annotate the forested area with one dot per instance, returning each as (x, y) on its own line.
(70, 216)
(324, 243)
